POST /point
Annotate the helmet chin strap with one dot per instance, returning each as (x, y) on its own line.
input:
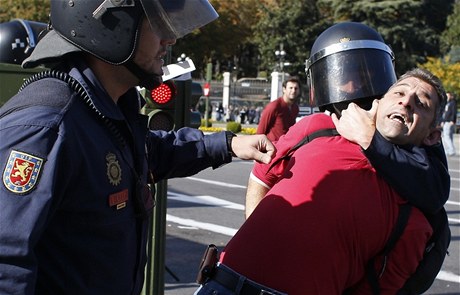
(149, 81)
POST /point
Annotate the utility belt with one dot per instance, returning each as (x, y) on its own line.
(210, 269)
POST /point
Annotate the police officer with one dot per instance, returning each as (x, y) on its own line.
(76, 155)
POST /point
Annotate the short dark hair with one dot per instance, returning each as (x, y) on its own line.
(434, 81)
(293, 79)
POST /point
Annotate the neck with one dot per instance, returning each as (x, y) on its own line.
(287, 100)
(116, 80)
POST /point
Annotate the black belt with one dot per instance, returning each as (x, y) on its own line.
(230, 280)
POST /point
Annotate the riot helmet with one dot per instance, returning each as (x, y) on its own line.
(18, 38)
(109, 29)
(349, 62)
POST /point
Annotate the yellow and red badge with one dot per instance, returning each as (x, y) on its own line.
(21, 172)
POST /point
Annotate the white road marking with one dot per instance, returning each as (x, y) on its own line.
(205, 200)
(202, 225)
(448, 276)
(220, 183)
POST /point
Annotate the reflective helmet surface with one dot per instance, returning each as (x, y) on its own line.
(109, 29)
(349, 62)
(18, 38)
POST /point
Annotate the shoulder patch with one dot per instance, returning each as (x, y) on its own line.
(21, 172)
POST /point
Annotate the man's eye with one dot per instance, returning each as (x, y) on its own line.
(421, 103)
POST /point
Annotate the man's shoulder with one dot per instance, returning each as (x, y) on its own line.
(316, 121)
(307, 126)
(47, 91)
(272, 105)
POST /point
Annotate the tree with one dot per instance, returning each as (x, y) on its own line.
(295, 24)
(449, 73)
(36, 10)
(225, 40)
(450, 37)
(411, 27)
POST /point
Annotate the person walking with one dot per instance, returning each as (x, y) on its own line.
(449, 119)
(281, 114)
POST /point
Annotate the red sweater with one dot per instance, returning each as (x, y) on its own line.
(276, 119)
(323, 220)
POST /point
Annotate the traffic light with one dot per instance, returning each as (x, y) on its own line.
(169, 105)
(160, 107)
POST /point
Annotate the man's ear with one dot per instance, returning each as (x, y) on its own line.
(433, 137)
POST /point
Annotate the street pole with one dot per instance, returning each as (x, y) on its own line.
(208, 80)
(280, 54)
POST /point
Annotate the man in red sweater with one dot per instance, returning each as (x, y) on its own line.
(281, 114)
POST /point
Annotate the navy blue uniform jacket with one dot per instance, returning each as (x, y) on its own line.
(72, 198)
(419, 174)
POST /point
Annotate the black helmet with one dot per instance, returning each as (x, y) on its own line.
(18, 38)
(109, 29)
(349, 62)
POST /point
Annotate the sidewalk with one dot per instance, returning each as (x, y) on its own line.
(457, 143)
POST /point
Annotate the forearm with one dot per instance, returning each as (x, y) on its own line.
(185, 152)
(255, 193)
(419, 175)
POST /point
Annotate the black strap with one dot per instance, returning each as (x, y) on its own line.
(319, 133)
(398, 229)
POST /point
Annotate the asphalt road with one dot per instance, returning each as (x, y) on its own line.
(208, 208)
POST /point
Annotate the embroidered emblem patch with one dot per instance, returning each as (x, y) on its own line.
(113, 169)
(21, 172)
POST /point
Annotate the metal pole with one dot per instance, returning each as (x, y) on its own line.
(206, 108)
(154, 274)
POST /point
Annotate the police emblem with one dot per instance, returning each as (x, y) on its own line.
(21, 172)
(113, 169)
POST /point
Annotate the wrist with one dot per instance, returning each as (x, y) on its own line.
(229, 135)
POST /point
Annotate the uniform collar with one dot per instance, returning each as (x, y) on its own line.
(128, 103)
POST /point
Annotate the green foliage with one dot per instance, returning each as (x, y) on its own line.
(295, 24)
(234, 127)
(411, 27)
(224, 41)
(245, 36)
(448, 72)
(36, 10)
(454, 54)
(450, 37)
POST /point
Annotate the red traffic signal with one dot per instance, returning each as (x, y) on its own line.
(206, 89)
(164, 93)
(161, 106)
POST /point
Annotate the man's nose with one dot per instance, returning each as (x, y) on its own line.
(407, 100)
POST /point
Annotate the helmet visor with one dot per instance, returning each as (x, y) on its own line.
(351, 75)
(176, 18)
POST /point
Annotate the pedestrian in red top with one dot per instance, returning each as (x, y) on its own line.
(281, 114)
